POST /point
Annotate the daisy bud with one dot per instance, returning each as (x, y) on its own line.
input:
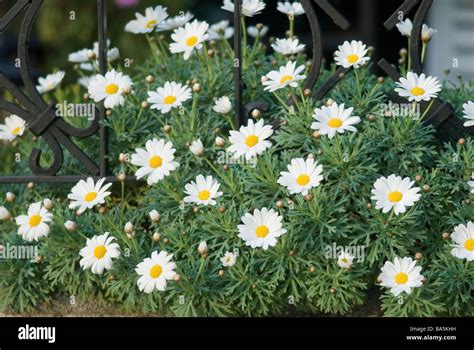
(290, 202)
(30, 185)
(129, 228)
(341, 75)
(403, 52)
(378, 279)
(150, 79)
(279, 204)
(91, 55)
(418, 178)
(202, 248)
(166, 240)
(10, 197)
(291, 253)
(108, 113)
(311, 156)
(195, 81)
(309, 197)
(307, 92)
(48, 204)
(196, 210)
(197, 88)
(329, 102)
(220, 142)
(274, 63)
(167, 129)
(39, 259)
(445, 236)
(284, 123)
(122, 177)
(177, 278)
(71, 226)
(380, 80)
(145, 105)
(256, 113)
(309, 65)
(369, 205)
(211, 53)
(221, 273)
(4, 214)
(426, 188)
(197, 148)
(154, 215)
(127, 90)
(122, 158)
(2, 248)
(468, 201)
(257, 63)
(111, 277)
(86, 97)
(401, 61)
(78, 213)
(217, 130)
(226, 167)
(131, 235)
(222, 209)
(462, 141)
(418, 256)
(259, 26)
(312, 269)
(427, 34)
(316, 134)
(332, 290)
(372, 118)
(254, 286)
(156, 237)
(102, 210)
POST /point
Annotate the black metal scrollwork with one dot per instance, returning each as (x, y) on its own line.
(441, 114)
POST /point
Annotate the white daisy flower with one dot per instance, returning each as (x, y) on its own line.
(189, 38)
(302, 176)
(401, 276)
(427, 33)
(110, 88)
(250, 8)
(471, 183)
(87, 194)
(351, 54)
(155, 271)
(395, 193)
(203, 191)
(113, 54)
(463, 237)
(149, 22)
(288, 75)
(220, 30)
(290, 8)
(98, 253)
(468, 109)
(50, 82)
(288, 46)
(405, 27)
(345, 260)
(175, 22)
(197, 148)
(418, 88)
(254, 32)
(229, 259)
(222, 105)
(14, 127)
(155, 161)
(171, 95)
(250, 140)
(4, 214)
(334, 119)
(80, 56)
(34, 225)
(261, 229)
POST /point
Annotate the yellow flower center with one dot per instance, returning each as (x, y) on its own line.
(401, 278)
(35, 220)
(156, 271)
(395, 197)
(303, 180)
(335, 123)
(169, 100)
(16, 131)
(417, 91)
(251, 140)
(111, 89)
(345, 260)
(90, 197)
(352, 58)
(262, 231)
(151, 24)
(156, 162)
(100, 251)
(191, 41)
(204, 195)
(469, 245)
(285, 78)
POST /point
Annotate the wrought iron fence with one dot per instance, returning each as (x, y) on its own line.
(43, 122)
